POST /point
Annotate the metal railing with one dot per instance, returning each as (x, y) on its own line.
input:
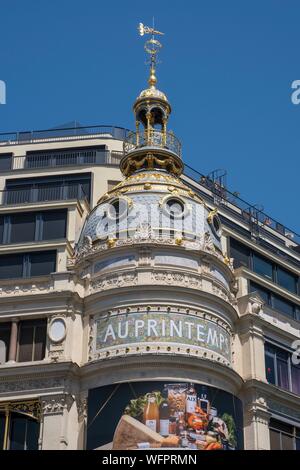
(67, 157)
(43, 193)
(153, 138)
(62, 134)
(253, 215)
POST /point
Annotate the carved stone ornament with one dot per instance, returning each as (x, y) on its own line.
(30, 384)
(55, 404)
(112, 281)
(24, 288)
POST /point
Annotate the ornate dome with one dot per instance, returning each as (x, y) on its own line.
(152, 206)
(152, 92)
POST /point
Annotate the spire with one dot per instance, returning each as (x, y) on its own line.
(151, 145)
(152, 47)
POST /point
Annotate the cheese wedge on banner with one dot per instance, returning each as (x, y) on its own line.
(130, 432)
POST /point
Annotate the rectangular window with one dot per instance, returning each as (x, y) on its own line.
(283, 306)
(280, 370)
(240, 254)
(54, 224)
(42, 263)
(263, 293)
(22, 227)
(2, 429)
(32, 340)
(282, 358)
(4, 342)
(5, 161)
(286, 280)
(1, 228)
(23, 433)
(50, 188)
(282, 435)
(11, 266)
(262, 266)
(295, 376)
(270, 364)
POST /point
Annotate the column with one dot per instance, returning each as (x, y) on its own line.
(59, 423)
(13, 342)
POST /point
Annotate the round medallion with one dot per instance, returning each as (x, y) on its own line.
(57, 330)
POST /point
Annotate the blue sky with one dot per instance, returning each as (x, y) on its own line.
(227, 68)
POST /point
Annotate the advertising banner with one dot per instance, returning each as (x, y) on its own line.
(159, 327)
(163, 415)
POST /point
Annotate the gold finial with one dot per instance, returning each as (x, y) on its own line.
(152, 47)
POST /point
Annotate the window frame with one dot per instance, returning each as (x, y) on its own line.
(41, 322)
(275, 266)
(294, 435)
(39, 222)
(276, 350)
(26, 264)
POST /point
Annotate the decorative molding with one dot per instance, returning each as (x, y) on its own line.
(56, 404)
(112, 281)
(82, 404)
(30, 384)
(176, 278)
(23, 288)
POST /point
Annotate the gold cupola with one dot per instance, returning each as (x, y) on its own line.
(151, 146)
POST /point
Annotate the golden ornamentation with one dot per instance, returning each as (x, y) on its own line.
(147, 186)
(134, 163)
(226, 259)
(111, 242)
(178, 240)
(211, 215)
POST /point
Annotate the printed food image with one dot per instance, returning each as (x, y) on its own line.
(176, 418)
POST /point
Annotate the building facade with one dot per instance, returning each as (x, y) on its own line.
(121, 271)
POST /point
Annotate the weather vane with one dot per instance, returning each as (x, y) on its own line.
(152, 47)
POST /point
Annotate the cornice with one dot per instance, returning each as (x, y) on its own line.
(149, 366)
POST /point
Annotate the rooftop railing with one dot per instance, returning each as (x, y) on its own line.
(253, 215)
(62, 134)
(153, 138)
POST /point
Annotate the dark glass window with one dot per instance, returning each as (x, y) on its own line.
(240, 254)
(42, 263)
(54, 224)
(282, 358)
(32, 340)
(264, 293)
(275, 440)
(24, 433)
(50, 188)
(295, 376)
(270, 365)
(283, 306)
(280, 369)
(2, 429)
(262, 266)
(5, 161)
(26, 265)
(11, 266)
(286, 280)
(22, 228)
(282, 435)
(1, 228)
(4, 338)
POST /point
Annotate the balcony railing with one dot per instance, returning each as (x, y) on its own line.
(43, 193)
(253, 215)
(67, 157)
(62, 134)
(153, 138)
